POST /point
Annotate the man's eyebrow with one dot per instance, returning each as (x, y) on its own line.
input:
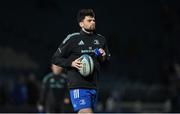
(91, 19)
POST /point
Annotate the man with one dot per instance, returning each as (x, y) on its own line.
(54, 91)
(83, 90)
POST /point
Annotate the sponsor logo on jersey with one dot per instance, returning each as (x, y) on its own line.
(52, 80)
(87, 51)
(81, 43)
(96, 42)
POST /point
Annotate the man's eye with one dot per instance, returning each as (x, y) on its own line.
(91, 20)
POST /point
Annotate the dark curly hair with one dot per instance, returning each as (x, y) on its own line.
(83, 13)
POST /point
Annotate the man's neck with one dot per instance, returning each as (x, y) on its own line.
(87, 31)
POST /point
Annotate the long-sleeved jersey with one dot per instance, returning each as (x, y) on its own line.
(75, 45)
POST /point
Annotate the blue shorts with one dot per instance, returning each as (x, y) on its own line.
(83, 98)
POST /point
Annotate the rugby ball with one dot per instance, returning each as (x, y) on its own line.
(87, 65)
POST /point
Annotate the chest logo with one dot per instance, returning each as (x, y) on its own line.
(81, 43)
(96, 42)
(52, 80)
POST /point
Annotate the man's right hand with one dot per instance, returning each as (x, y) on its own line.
(76, 63)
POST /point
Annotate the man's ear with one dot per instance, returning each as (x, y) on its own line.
(80, 24)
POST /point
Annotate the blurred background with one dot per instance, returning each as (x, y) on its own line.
(143, 37)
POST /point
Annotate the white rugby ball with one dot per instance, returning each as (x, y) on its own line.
(87, 65)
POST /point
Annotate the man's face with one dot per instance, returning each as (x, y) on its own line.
(88, 23)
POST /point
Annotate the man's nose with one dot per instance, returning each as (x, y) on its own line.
(92, 22)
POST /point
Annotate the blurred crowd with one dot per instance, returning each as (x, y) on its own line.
(20, 91)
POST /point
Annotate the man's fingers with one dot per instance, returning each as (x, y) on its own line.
(78, 62)
(78, 66)
(102, 52)
(78, 59)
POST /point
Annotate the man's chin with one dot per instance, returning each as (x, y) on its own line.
(90, 30)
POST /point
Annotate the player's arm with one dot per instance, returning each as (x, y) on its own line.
(105, 54)
(61, 55)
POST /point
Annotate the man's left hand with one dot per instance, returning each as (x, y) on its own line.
(103, 53)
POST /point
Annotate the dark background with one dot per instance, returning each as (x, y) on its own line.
(132, 29)
(142, 35)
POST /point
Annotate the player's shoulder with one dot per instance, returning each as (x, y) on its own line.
(47, 77)
(69, 37)
(101, 37)
(63, 75)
